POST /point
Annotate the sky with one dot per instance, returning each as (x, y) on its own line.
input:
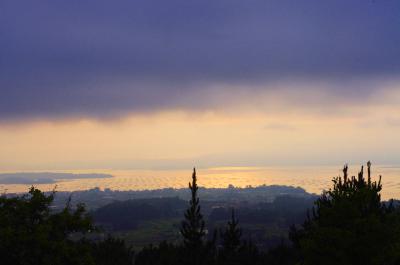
(171, 84)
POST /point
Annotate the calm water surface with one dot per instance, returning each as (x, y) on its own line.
(312, 179)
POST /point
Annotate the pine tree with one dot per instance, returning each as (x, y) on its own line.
(193, 227)
(236, 251)
(231, 238)
(349, 220)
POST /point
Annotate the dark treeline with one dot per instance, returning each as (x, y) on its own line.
(349, 224)
(144, 221)
(96, 198)
(125, 215)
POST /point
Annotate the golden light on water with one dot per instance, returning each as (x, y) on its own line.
(312, 179)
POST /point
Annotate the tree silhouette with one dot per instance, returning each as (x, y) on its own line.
(112, 251)
(231, 237)
(350, 225)
(236, 251)
(193, 227)
(30, 234)
(164, 253)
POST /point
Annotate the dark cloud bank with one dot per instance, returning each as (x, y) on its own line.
(96, 57)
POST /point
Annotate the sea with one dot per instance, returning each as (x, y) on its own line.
(314, 179)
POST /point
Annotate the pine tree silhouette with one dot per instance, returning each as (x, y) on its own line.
(193, 227)
(349, 219)
(231, 238)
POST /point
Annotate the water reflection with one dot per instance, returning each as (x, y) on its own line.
(312, 179)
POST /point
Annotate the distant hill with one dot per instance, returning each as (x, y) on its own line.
(96, 197)
(44, 177)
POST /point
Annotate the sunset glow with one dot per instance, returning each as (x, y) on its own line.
(155, 85)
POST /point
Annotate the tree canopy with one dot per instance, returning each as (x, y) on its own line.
(31, 233)
(350, 225)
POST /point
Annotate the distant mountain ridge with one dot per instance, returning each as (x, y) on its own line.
(45, 177)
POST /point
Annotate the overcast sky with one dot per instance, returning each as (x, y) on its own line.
(262, 67)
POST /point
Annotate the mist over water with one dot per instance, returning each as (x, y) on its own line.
(312, 179)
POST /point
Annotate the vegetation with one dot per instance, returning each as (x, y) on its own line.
(141, 222)
(31, 234)
(349, 224)
(193, 226)
(232, 235)
(234, 250)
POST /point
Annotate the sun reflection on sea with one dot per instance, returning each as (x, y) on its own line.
(312, 179)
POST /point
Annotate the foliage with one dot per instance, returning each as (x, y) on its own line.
(112, 251)
(165, 253)
(282, 254)
(350, 225)
(235, 250)
(193, 227)
(30, 233)
(231, 238)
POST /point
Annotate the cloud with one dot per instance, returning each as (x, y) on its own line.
(99, 58)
